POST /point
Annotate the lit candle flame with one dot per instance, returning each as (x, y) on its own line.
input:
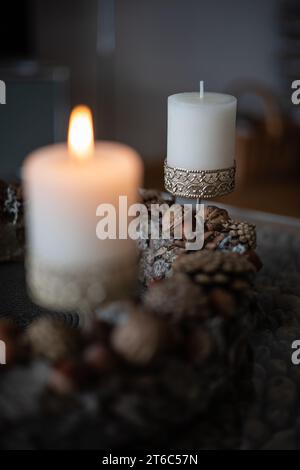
(81, 133)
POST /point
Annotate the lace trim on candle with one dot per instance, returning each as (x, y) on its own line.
(82, 290)
(202, 184)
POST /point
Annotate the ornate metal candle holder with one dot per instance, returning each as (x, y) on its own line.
(199, 184)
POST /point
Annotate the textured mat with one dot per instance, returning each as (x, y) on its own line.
(270, 411)
(14, 300)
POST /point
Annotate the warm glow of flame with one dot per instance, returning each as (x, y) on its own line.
(81, 133)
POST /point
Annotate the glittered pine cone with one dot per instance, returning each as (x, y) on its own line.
(156, 261)
(177, 298)
(241, 233)
(216, 268)
(51, 339)
(11, 203)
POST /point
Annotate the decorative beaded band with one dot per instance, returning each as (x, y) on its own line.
(202, 184)
(82, 290)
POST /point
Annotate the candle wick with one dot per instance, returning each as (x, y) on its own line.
(201, 89)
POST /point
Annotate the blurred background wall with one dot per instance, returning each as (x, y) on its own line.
(124, 57)
(157, 47)
(167, 46)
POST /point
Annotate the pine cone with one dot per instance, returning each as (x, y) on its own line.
(140, 338)
(215, 218)
(177, 298)
(212, 240)
(51, 339)
(253, 257)
(222, 301)
(156, 261)
(241, 233)
(12, 205)
(213, 268)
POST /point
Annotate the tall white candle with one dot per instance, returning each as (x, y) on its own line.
(64, 185)
(201, 130)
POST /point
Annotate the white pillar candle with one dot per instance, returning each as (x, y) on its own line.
(64, 185)
(201, 130)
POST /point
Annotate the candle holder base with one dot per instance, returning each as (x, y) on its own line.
(199, 184)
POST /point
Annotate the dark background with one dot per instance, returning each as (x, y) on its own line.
(124, 57)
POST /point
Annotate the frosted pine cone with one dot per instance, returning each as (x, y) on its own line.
(11, 222)
(177, 298)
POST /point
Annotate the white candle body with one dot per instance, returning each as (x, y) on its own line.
(62, 197)
(201, 131)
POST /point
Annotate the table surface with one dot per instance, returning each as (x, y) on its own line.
(274, 196)
(271, 419)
